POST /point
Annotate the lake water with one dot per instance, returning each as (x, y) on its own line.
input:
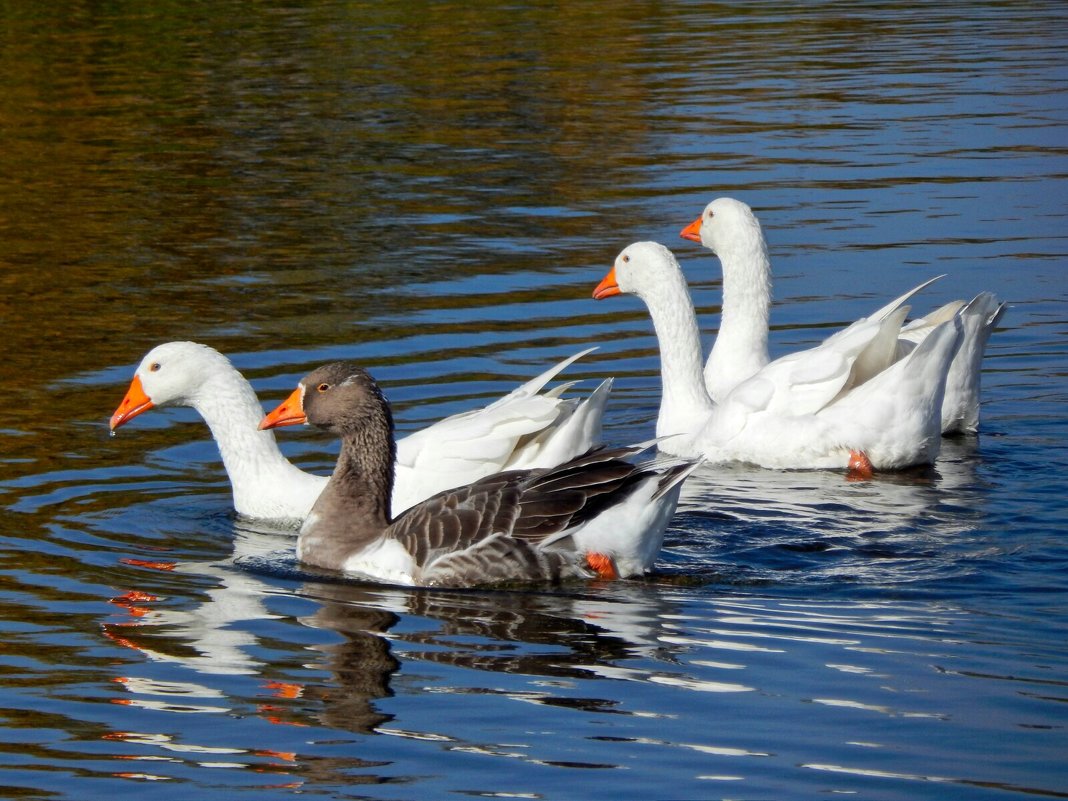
(434, 189)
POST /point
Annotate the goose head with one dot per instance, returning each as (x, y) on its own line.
(650, 271)
(727, 227)
(339, 397)
(171, 374)
(645, 269)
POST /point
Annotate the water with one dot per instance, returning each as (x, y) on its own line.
(434, 190)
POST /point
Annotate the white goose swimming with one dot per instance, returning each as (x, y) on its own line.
(842, 410)
(595, 515)
(729, 229)
(526, 428)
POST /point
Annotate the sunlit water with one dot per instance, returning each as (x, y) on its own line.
(434, 191)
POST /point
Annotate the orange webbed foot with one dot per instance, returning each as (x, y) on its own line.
(859, 467)
(602, 565)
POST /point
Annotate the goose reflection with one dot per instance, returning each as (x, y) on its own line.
(361, 665)
(825, 502)
(204, 638)
(570, 633)
(745, 526)
(551, 637)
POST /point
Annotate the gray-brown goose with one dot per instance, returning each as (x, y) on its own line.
(597, 514)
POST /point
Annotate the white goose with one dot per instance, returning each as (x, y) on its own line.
(596, 514)
(841, 412)
(729, 229)
(526, 428)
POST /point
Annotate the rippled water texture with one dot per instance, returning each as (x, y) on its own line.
(434, 189)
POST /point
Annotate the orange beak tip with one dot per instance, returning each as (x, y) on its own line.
(608, 286)
(289, 412)
(277, 418)
(134, 403)
(692, 231)
(602, 292)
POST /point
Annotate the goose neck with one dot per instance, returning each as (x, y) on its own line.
(354, 509)
(233, 413)
(746, 297)
(364, 477)
(685, 402)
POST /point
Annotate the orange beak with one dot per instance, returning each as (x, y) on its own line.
(692, 231)
(289, 412)
(608, 286)
(135, 402)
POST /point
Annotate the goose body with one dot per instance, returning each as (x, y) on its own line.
(843, 403)
(596, 514)
(729, 229)
(527, 427)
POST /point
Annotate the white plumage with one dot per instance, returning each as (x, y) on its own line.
(811, 412)
(526, 428)
(729, 229)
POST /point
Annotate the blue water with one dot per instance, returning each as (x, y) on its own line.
(434, 190)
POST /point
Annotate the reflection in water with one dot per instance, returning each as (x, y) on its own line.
(390, 652)
(210, 641)
(746, 526)
(562, 636)
(359, 667)
(782, 521)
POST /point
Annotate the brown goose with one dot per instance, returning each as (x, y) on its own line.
(597, 514)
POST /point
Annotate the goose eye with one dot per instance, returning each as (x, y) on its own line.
(323, 387)
(154, 367)
(626, 258)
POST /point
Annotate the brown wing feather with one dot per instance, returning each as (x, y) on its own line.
(501, 559)
(568, 495)
(491, 530)
(457, 519)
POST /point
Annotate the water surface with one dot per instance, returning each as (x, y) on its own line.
(434, 190)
